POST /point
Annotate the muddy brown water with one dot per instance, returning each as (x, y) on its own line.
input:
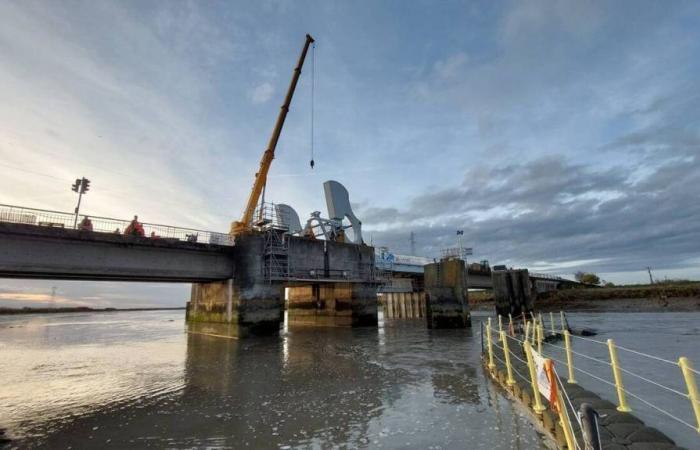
(137, 379)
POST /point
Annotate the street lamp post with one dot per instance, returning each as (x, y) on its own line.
(81, 186)
(460, 233)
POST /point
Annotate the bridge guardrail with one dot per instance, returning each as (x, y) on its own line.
(665, 397)
(107, 225)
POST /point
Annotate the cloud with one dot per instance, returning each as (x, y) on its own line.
(35, 299)
(452, 66)
(556, 215)
(262, 93)
(554, 132)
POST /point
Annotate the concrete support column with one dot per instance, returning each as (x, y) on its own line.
(240, 306)
(222, 308)
(447, 302)
(512, 291)
(333, 304)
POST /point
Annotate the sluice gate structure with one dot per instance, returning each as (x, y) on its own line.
(325, 283)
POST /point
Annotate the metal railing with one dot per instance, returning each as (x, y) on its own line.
(679, 403)
(106, 225)
(547, 276)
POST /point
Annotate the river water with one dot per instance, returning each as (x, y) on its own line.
(137, 379)
(666, 335)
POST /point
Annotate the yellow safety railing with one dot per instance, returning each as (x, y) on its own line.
(490, 345)
(689, 376)
(509, 354)
(530, 334)
(622, 399)
(569, 357)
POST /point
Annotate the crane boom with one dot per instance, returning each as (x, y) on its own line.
(261, 176)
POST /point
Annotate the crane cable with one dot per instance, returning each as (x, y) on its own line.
(313, 70)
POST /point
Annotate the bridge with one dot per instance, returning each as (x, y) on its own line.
(411, 268)
(43, 244)
(243, 281)
(405, 268)
(237, 289)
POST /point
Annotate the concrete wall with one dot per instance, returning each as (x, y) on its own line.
(329, 260)
(396, 284)
(447, 301)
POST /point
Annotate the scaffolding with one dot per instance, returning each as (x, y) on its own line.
(276, 255)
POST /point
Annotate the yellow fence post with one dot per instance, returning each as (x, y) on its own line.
(540, 337)
(534, 330)
(510, 324)
(687, 370)
(551, 320)
(509, 370)
(565, 422)
(533, 379)
(527, 330)
(500, 326)
(618, 378)
(488, 344)
(561, 319)
(569, 357)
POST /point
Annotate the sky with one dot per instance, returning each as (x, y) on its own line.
(559, 135)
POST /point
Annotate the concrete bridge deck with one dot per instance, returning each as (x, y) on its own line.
(41, 252)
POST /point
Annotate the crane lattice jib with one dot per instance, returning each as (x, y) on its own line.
(261, 177)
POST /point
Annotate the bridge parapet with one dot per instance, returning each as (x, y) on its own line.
(106, 225)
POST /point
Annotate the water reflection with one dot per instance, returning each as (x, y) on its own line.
(397, 386)
(307, 387)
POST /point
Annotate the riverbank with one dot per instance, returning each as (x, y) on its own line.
(77, 309)
(649, 298)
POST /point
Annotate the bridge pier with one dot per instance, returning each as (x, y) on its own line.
(512, 291)
(332, 304)
(246, 304)
(328, 284)
(446, 294)
(227, 309)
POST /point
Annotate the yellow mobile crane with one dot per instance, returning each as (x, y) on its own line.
(244, 225)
